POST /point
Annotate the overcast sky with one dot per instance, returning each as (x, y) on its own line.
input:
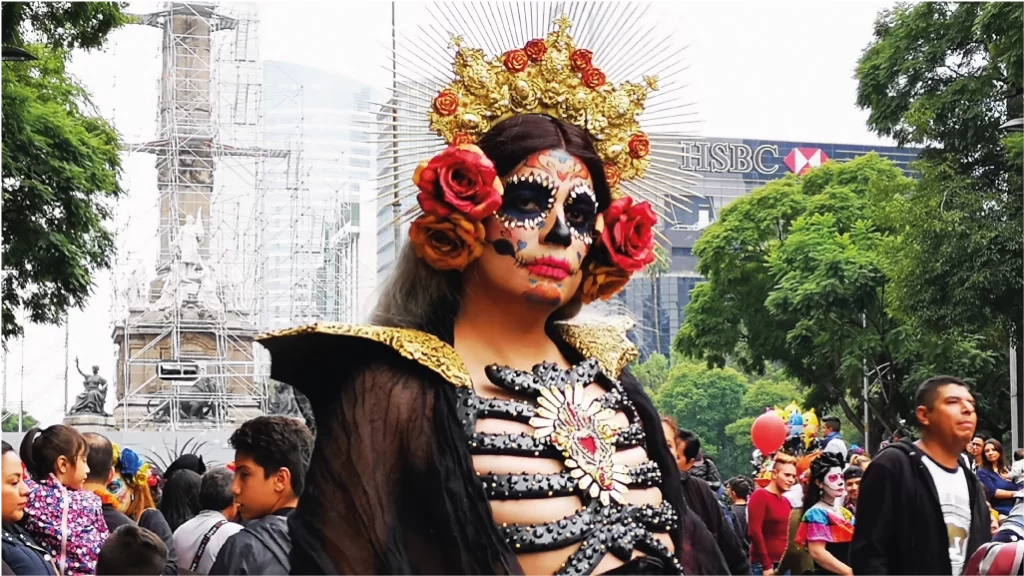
(760, 70)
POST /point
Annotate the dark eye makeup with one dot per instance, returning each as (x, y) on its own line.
(527, 201)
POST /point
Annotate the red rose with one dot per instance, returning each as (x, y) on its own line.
(593, 78)
(462, 139)
(628, 233)
(613, 175)
(536, 49)
(516, 60)
(580, 60)
(446, 103)
(639, 145)
(460, 179)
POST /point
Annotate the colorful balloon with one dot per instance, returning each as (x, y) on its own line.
(768, 433)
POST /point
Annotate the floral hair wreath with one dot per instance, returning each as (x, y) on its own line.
(133, 468)
(460, 187)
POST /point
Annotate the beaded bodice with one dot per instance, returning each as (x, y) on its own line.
(578, 432)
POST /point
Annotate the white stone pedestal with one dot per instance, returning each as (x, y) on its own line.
(91, 423)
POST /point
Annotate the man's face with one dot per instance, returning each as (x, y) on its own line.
(853, 489)
(255, 493)
(545, 227)
(684, 463)
(974, 448)
(784, 476)
(952, 415)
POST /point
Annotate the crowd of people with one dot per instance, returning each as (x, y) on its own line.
(947, 503)
(76, 504)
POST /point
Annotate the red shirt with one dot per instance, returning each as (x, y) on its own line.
(767, 526)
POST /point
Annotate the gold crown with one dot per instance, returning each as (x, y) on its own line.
(552, 77)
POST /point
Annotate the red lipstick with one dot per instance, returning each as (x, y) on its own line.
(550, 267)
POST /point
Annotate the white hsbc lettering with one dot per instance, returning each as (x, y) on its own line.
(729, 157)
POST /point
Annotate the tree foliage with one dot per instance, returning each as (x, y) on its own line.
(652, 373)
(796, 276)
(939, 75)
(10, 422)
(60, 163)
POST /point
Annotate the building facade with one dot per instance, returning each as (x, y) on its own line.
(320, 261)
(728, 169)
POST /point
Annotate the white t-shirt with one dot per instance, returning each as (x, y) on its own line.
(189, 535)
(955, 498)
(838, 446)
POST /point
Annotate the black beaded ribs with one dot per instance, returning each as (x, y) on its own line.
(603, 525)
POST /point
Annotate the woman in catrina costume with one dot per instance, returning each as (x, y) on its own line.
(475, 426)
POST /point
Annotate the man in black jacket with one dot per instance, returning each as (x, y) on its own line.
(703, 501)
(271, 457)
(101, 471)
(921, 510)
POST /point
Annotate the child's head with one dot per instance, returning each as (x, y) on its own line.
(1018, 454)
(271, 457)
(59, 450)
(132, 549)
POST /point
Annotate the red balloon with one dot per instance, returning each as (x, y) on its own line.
(768, 433)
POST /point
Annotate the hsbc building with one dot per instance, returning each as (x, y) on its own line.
(725, 169)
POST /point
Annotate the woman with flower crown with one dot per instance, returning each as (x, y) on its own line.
(476, 426)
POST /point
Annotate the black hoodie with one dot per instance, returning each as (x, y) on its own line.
(899, 527)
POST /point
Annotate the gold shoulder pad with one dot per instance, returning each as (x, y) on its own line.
(603, 340)
(425, 349)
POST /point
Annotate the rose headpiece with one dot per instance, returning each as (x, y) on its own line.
(460, 187)
(133, 468)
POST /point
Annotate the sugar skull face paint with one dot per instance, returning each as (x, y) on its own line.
(543, 230)
(833, 484)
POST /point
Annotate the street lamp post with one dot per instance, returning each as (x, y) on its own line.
(1015, 107)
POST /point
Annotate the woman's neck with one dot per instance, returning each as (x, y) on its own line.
(493, 327)
(827, 500)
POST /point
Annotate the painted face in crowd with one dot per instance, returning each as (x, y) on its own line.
(543, 230)
(833, 484)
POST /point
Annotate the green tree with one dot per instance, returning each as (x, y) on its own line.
(652, 373)
(796, 276)
(939, 75)
(60, 163)
(768, 392)
(705, 401)
(10, 422)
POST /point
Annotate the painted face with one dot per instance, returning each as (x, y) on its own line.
(119, 488)
(545, 226)
(833, 483)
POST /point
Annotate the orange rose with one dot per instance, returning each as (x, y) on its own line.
(580, 59)
(613, 175)
(536, 49)
(602, 282)
(462, 139)
(447, 243)
(593, 78)
(461, 179)
(446, 103)
(516, 60)
(639, 145)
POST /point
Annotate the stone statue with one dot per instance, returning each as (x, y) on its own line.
(94, 398)
(284, 403)
(208, 292)
(189, 237)
(191, 409)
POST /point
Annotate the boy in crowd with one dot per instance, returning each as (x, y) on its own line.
(271, 457)
(132, 549)
(851, 478)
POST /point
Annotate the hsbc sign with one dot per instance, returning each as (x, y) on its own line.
(737, 157)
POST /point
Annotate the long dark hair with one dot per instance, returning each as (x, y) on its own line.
(180, 500)
(819, 469)
(999, 466)
(40, 449)
(417, 296)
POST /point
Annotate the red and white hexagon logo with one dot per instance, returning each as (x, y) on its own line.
(800, 160)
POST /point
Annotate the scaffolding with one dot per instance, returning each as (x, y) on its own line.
(206, 303)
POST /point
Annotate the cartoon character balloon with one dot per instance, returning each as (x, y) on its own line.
(810, 427)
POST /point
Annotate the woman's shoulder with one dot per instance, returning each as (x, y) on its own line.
(305, 355)
(603, 339)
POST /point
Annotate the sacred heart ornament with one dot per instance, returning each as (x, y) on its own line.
(583, 431)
